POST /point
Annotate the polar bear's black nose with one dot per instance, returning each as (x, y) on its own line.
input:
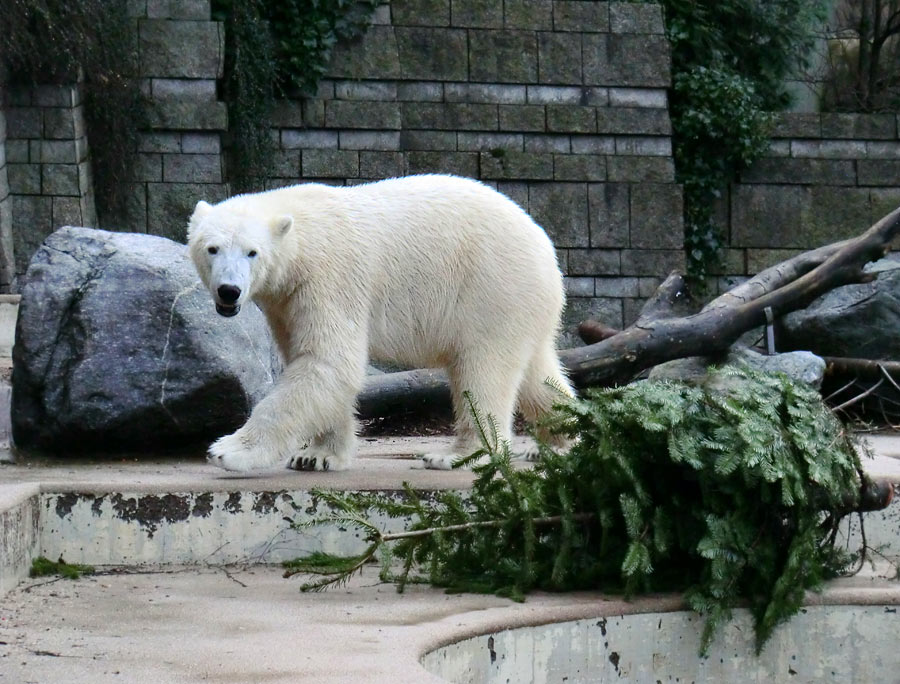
(229, 293)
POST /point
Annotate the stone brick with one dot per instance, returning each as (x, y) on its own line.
(633, 121)
(366, 90)
(24, 179)
(169, 205)
(801, 171)
(66, 212)
(522, 118)
(147, 167)
(201, 143)
(374, 55)
(60, 179)
(17, 95)
(476, 13)
(23, 122)
(382, 15)
(562, 261)
(476, 142)
(517, 191)
(318, 163)
(449, 116)
(652, 262)
(596, 66)
(485, 93)
(878, 172)
(593, 144)
(309, 139)
(883, 150)
(761, 259)
(36, 213)
(378, 165)
(649, 98)
(828, 149)
(571, 119)
(647, 286)
(797, 125)
(641, 169)
(579, 287)
(548, 143)
(59, 124)
(17, 151)
(349, 114)
(779, 148)
(506, 56)
(194, 89)
(616, 287)
(871, 126)
(644, 146)
(562, 210)
(656, 216)
(289, 114)
(177, 114)
(420, 12)
(286, 164)
(178, 9)
(652, 70)
(420, 92)
(609, 209)
(594, 262)
(192, 168)
(432, 54)
(59, 152)
(500, 164)
(631, 17)
(577, 15)
(67, 96)
(427, 140)
(882, 201)
(456, 163)
(579, 167)
(369, 140)
(528, 14)
(559, 57)
(313, 112)
(548, 94)
(185, 49)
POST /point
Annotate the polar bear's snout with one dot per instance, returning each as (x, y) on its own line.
(226, 300)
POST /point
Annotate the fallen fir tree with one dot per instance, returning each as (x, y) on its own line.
(731, 492)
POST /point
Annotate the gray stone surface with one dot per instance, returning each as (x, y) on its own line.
(181, 49)
(801, 366)
(861, 321)
(118, 346)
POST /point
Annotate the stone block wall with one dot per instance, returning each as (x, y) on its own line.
(560, 104)
(7, 266)
(826, 177)
(47, 165)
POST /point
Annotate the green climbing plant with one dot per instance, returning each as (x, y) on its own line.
(731, 492)
(275, 48)
(730, 63)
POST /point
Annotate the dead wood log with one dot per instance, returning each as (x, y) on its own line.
(659, 335)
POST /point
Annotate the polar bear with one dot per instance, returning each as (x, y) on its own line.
(426, 271)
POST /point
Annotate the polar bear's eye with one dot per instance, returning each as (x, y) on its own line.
(251, 253)
(212, 250)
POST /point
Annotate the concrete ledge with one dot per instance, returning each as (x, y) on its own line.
(20, 532)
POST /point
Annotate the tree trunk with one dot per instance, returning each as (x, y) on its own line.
(659, 335)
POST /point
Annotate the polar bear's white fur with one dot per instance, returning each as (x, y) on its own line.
(427, 271)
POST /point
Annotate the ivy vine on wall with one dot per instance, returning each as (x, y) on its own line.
(275, 48)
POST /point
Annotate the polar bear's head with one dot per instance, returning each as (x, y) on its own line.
(233, 251)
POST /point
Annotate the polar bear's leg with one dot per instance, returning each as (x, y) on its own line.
(544, 385)
(331, 450)
(314, 396)
(491, 381)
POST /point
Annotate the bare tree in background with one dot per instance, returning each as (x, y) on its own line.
(863, 57)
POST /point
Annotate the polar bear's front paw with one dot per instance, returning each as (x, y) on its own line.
(231, 453)
(315, 458)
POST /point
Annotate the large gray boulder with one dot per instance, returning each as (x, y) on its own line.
(861, 321)
(118, 347)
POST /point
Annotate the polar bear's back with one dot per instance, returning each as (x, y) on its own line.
(454, 258)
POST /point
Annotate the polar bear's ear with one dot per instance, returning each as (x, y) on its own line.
(282, 224)
(201, 210)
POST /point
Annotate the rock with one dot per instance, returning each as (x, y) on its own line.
(861, 321)
(118, 347)
(799, 366)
